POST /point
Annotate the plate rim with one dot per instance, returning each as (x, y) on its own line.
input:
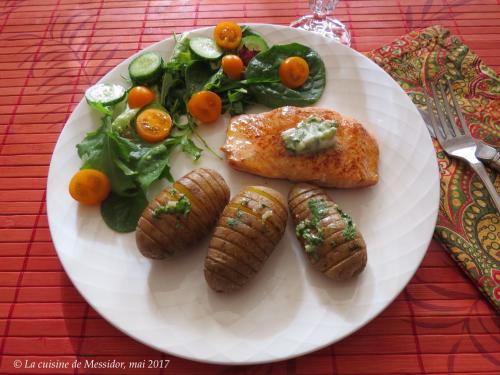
(270, 359)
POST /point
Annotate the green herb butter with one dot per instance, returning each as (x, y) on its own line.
(234, 221)
(311, 135)
(349, 233)
(181, 207)
(309, 229)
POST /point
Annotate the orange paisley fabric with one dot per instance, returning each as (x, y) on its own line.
(468, 223)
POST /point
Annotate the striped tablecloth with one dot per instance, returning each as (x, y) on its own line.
(51, 50)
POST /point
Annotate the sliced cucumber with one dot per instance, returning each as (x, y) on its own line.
(205, 48)
(106, 94)
(146, 68)
(254, 43)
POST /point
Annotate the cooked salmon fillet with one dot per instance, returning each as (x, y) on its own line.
(253, 144)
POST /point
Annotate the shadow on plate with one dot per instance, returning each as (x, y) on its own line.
(182, 297)
(250, 311)
(341, 296)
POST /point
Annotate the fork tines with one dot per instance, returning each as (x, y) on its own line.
(444, 102)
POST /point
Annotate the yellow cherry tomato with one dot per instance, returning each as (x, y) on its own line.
(140, 96)
(89, 186)
(233, 66)
(227, 35)
(294, 72)
(205, 106)
(153, 125)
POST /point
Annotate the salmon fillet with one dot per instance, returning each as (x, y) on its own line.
(253, 144)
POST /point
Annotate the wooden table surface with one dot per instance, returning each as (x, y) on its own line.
(52, 50)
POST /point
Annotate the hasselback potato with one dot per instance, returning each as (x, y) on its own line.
(328, 236)
(182, 214)
(248, 230)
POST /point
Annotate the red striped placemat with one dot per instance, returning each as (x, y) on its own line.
(53, 50)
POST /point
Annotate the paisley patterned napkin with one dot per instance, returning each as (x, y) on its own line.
(468, 224)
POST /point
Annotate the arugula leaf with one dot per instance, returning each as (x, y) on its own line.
(236, 99)
(168, 81)
(220, 82)
(266, 64)
(166, 174)
(236, 108)
(247, 31)
(236, 95)
(122, 213)
(123, 120)
(181, 54)
(101, 108)
(215, 81)
(190, 148)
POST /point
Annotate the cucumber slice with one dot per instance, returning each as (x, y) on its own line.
(205, 48)
(146, 68)
(105, 93)
(254, 43)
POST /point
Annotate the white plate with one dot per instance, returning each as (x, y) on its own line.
(289, 309)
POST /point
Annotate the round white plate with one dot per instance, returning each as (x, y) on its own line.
(288, 309)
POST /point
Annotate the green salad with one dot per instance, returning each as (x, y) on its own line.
(164, 103)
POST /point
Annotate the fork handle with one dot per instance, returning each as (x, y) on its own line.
(481, 171)
(495, 162)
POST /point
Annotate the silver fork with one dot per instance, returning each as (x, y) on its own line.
(456, 142)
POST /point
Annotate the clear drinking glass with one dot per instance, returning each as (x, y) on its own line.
(319, 22)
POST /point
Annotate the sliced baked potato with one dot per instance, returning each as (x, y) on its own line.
(182, 214)
(328, 236)
(248, 230)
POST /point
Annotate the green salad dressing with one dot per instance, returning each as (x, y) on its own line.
(311, 135)
(309, 229)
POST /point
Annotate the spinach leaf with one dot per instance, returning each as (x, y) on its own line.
(121, 183)
(129, 164)
(124, 147)
(90, 149)
(98, 151)
(197, 75)
(151, 165)
(265, 65)
(122, 213)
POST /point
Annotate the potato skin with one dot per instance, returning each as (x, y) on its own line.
(339, 256)
(167, 234)
(247, 232)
